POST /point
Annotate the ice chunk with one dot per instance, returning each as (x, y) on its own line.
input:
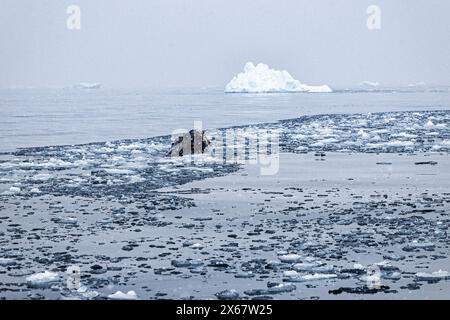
(262, 79)
(435, 276)
(294, 276)
(119, 295)
(290, 258)
(42, 280)
(7, 262)
(227, 295)
(14, 190)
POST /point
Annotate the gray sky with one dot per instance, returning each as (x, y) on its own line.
(152, 43)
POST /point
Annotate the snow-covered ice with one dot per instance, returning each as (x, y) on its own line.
(119, 295)
(434, 276)
(262, 79)
(42, 280)
(290, 258)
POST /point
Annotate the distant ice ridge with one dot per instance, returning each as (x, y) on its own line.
(262, 79)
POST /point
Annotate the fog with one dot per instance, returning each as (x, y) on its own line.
(197, 43)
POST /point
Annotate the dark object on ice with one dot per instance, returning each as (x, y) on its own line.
(193, 142)
(432, 163)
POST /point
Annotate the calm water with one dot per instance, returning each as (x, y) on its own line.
(41, 117)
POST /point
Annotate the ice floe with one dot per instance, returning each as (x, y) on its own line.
(262, 79)
(294, 276)
(434, 276)
(42, 280)
(119, 295)
(290, 258)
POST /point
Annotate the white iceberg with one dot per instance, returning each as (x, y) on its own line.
(370, 84)
(119, 295)
(262, 79)
(87, 85)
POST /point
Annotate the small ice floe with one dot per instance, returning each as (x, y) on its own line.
(13, 190)
(415, 245)
(186, 263)
(435, 276)
(244, 275)
(363, 135)
(119, 295)
(399, 144)
(119, 171)
(66, 220)
(196, 245)
(429, 124)
(90, 294)
(35, 190)
(42, 177)
(227, 295)
(358, 266)
(281, 288)
(294, 276)
(4, 262)
(314, 266)
(290, 258)
(135, 179)
(42, 280)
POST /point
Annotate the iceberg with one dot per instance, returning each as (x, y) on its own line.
(86, 85)
(262, 79)
(370, 84)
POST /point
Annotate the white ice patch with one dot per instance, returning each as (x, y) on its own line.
(400, 144)
(262, 79)
(437, 275)
(290, 258)
(7, 262)
(294, 276)
(119, 295)
(42, 280)
(119, 171)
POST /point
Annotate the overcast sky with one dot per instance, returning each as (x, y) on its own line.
(153, 43)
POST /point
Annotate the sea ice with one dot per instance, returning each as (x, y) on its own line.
(119, 295)
(290, 258)
(42, 280)
(7, 262)
(437, 275)
(262, 79)
(294, 276)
